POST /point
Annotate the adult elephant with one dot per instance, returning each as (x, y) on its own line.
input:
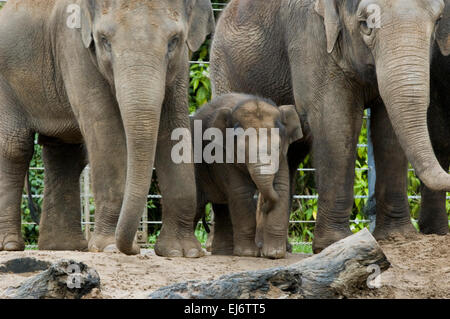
(113, 75)
(433, 218)
(333, 58)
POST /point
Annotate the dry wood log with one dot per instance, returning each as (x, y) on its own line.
(24, 265)
(65, 279)
(337, 272)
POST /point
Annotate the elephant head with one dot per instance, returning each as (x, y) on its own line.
(255, 113)
(387, 44)
(138, 46)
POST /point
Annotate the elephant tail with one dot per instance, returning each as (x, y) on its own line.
(35, 211)
(205, 224)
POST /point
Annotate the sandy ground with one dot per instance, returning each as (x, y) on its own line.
(420, 269)
(136, 276)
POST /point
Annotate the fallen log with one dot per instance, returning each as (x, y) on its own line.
(65, 279)
(24, 265)
(337, 272)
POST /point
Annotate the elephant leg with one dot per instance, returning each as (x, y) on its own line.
(16, 150)
(276, 221)
(393, 216)
(176, 182)
(210, 238)
(335, 130)
(433, 218)
(243, 217)
(60, 227)
(104, 137)
(108, 170)
(296, 154)
(222, 240)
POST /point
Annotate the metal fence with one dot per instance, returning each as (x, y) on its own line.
(86, 194)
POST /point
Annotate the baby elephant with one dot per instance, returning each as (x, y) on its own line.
(245, 144)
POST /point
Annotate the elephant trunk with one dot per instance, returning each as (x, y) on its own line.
(264, 183)
(140, 91)
(403, 71)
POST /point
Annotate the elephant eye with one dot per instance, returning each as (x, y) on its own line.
(105, 42)
(173, 43)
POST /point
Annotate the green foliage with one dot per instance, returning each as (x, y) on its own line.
(200, 85)
(36, 178)
(301, 248)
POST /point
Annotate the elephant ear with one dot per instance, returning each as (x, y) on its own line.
(222, 119)
(201, 22)
(291, 120)
(443, 31)
(87, 15)
(328, 11)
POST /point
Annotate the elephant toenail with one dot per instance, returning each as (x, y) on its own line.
(12, 246)
(112, 248)
(94, 249)
(192, 253)
(175, 253)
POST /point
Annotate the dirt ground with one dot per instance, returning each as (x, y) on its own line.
(420, 269)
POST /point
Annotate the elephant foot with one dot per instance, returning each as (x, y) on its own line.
(209, 241)
(107, 244)
(226, 251)
(72, 243)
(434, 223)
(272, 252)
(11, 242)
(427, 229)
(390, 230)
(221, 242)
(222, 248)
(323, 239)
(274, 249)
(188, 246)
(288, 246)
(246, 249)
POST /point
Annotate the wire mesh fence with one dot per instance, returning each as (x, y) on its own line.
(88, 207)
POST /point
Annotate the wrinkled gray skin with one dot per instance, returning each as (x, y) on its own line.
(231, 187)
(433, 218)
(433, 215)
(323, 56)
(119, 85)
